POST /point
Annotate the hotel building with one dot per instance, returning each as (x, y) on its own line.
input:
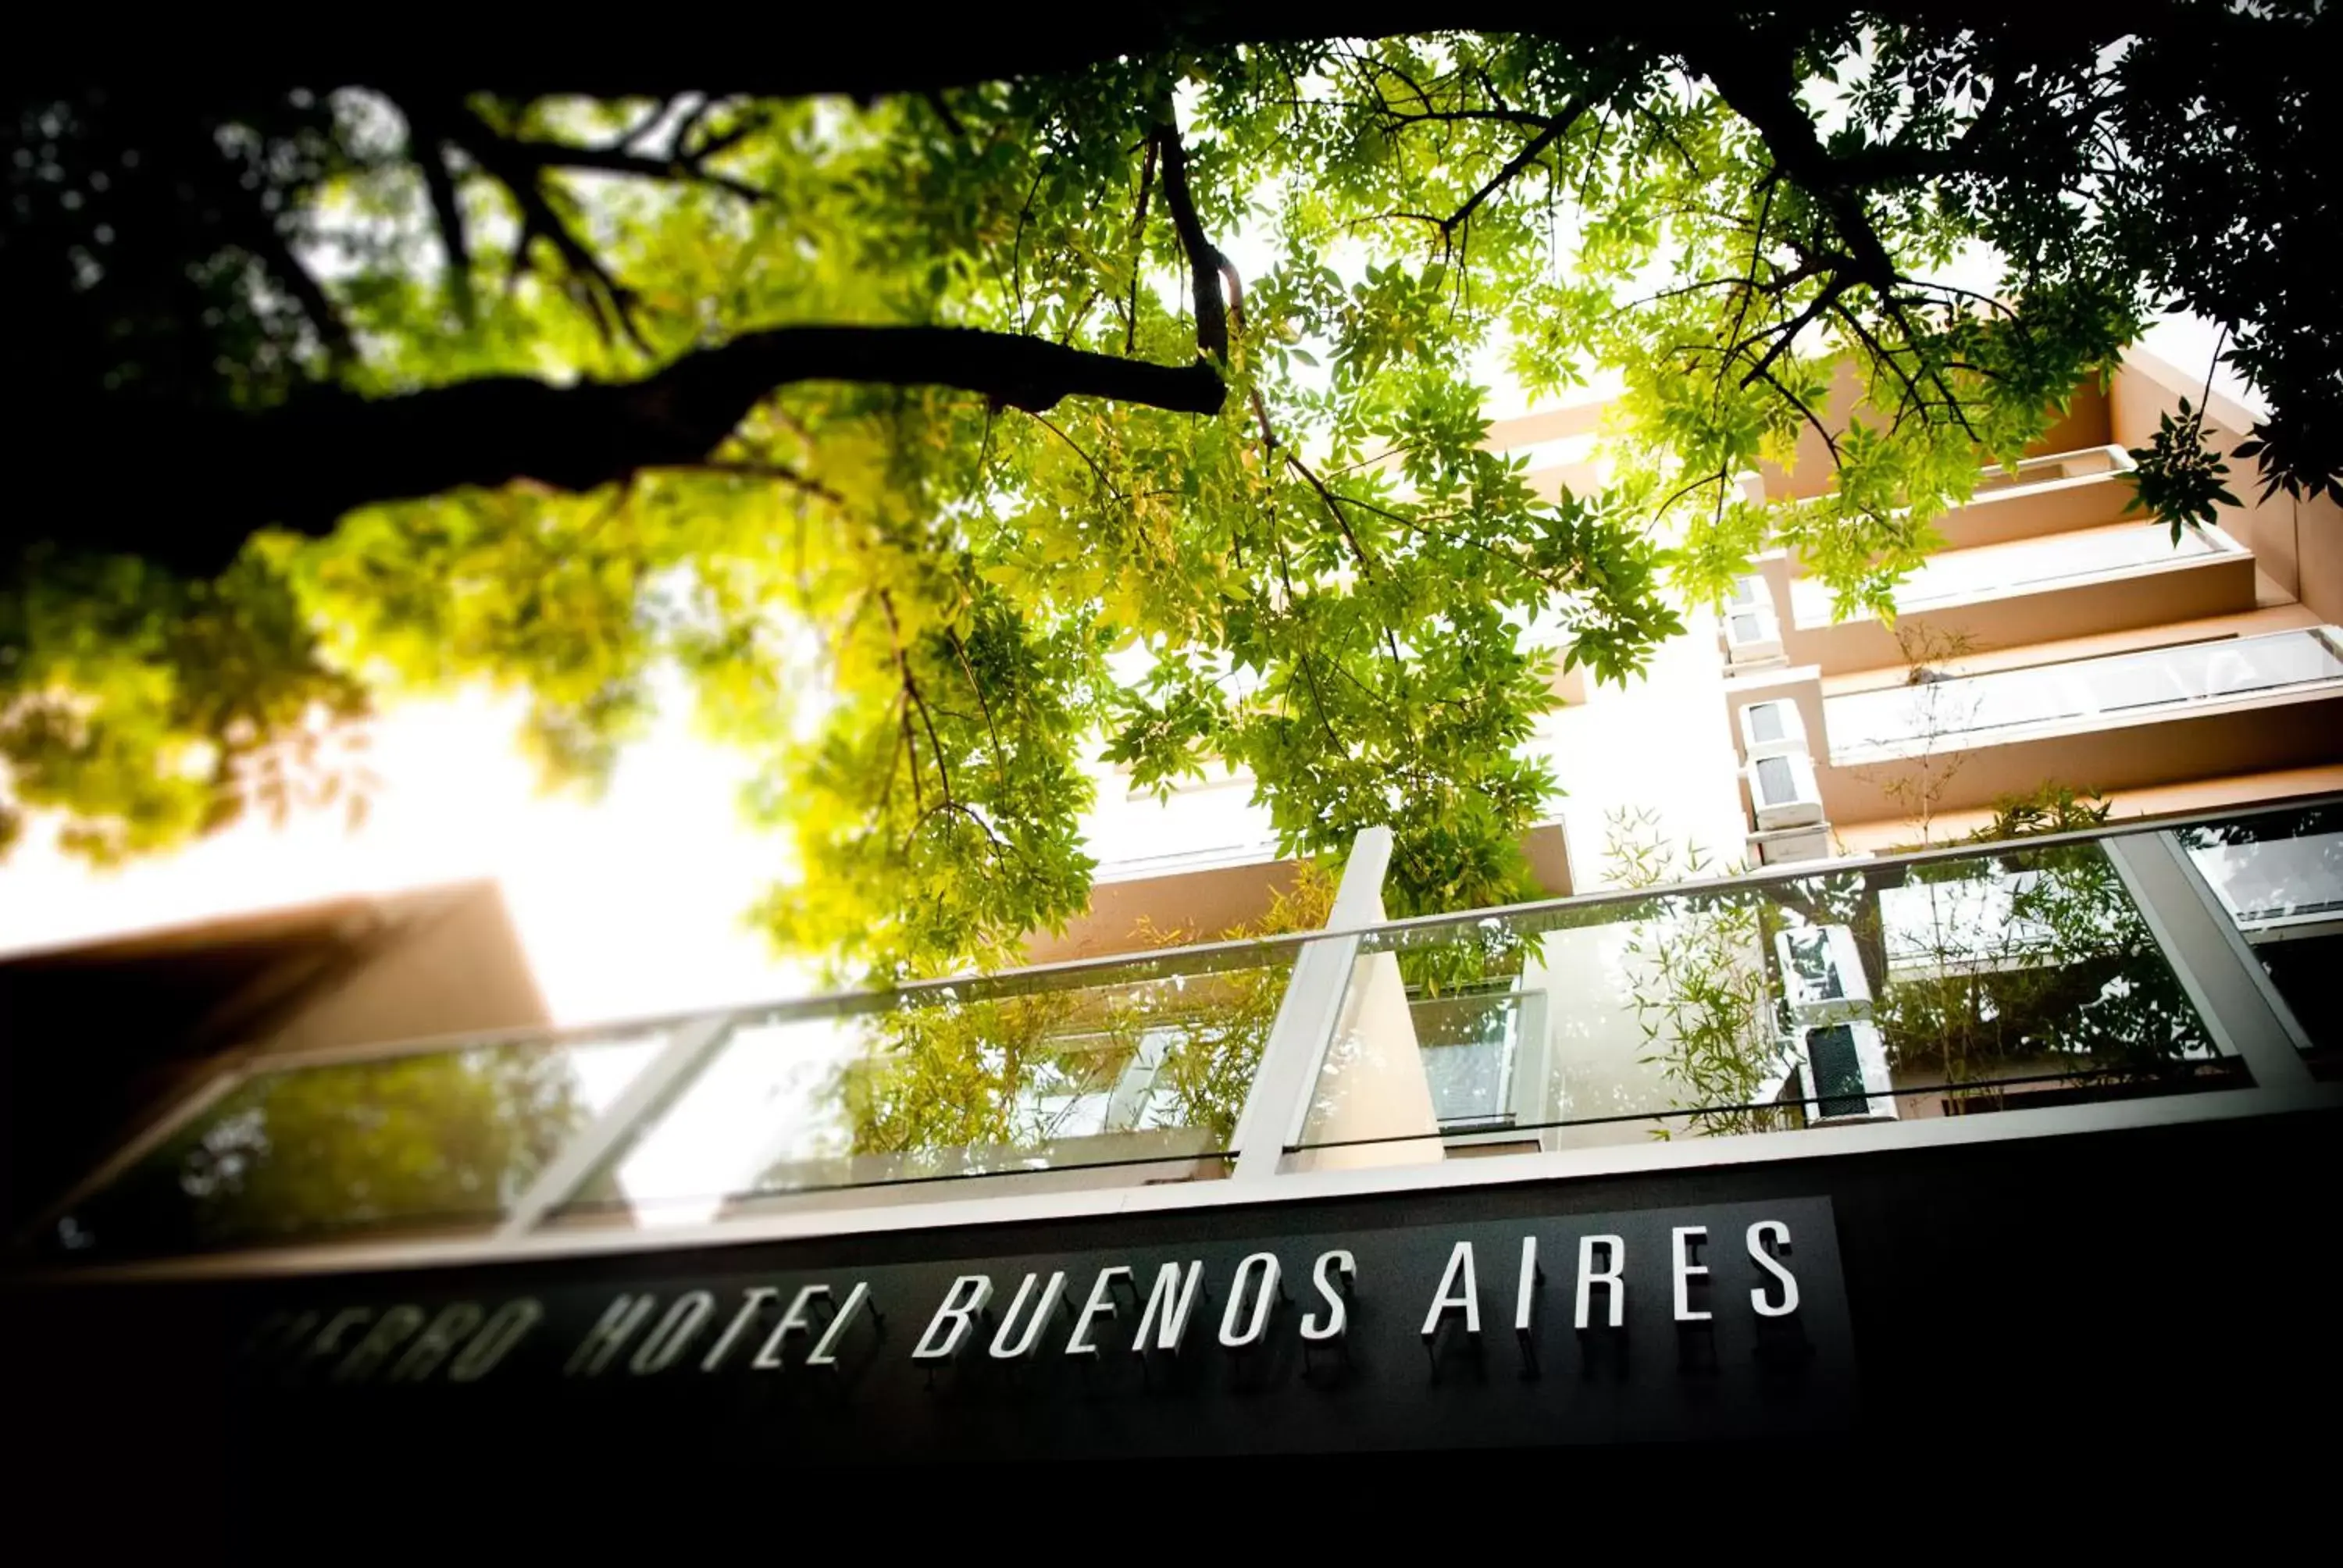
(1797, 1113)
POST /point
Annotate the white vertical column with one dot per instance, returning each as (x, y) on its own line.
(2223, 979)
(1306, 1020)
(693, 1043)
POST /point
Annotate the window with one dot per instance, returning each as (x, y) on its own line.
(1474, 1061)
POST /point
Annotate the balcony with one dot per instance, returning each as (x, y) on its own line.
(2046, 494)
(2062, 584)
(2122, 722)
(1201, 863)
(2039, 986)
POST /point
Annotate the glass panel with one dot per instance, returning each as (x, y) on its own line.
(1137, 1073)
(1838, 1070)
(2013, 700)
(2014, 977)
(432, 1142)
(2036, 563)
(2280, 877)
(1468, 1044)
(1810, 958)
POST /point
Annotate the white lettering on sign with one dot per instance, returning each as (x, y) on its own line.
(463, 1341)
(798, 1320)
(673, 1332)
(329, 1342)
(825, 1353)
(505, 1327)
(1682, 1240)
(967, 1297)
(1264, 1301)
(1779, 1234)
(1613, 1276)
(1458, 1288)
(393, 1327)
(1172, 1298)
(752, 1301)
(1337, 1322)
(617, 1323)
(1100, 1304)
(1006, 1348)
(455, 1323)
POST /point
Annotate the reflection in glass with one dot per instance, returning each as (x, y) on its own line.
(1144, 1065)
(2010, 978)
(2279, 875)
(435, 1140)
(1884, 722)
(1471, 1045)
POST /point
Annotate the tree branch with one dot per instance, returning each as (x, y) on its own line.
(1138, 244)
(1788, 332)
(204, 479)
(432, 159)
(518, 165)
(1554, 132)
(1760, 83)
(1205, 263)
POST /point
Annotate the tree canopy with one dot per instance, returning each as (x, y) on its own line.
(903, 410)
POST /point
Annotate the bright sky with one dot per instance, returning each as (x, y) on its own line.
(626, 906)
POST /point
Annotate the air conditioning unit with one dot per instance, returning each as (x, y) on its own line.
(1822, 975)
(1749, 593)
(1783, 793)
(1843, 1069)
(1786, 845)
(1752, 634)
(1773, 729)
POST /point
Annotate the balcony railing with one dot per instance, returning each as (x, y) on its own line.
(2033, 566)
(2006, 704)
(1882, 997)
(2053, 467)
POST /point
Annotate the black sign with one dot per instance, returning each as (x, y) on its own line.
(1727, 1321)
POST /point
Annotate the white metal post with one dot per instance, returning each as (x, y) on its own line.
(1307, 1017)
(2215, 966)
(666, 1073)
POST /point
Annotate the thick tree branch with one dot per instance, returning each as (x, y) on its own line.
(270, 246)
(518, 167)
(1761, 85)
(203, 482)
(448, 211)
(1206, 264)
(518, 153)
